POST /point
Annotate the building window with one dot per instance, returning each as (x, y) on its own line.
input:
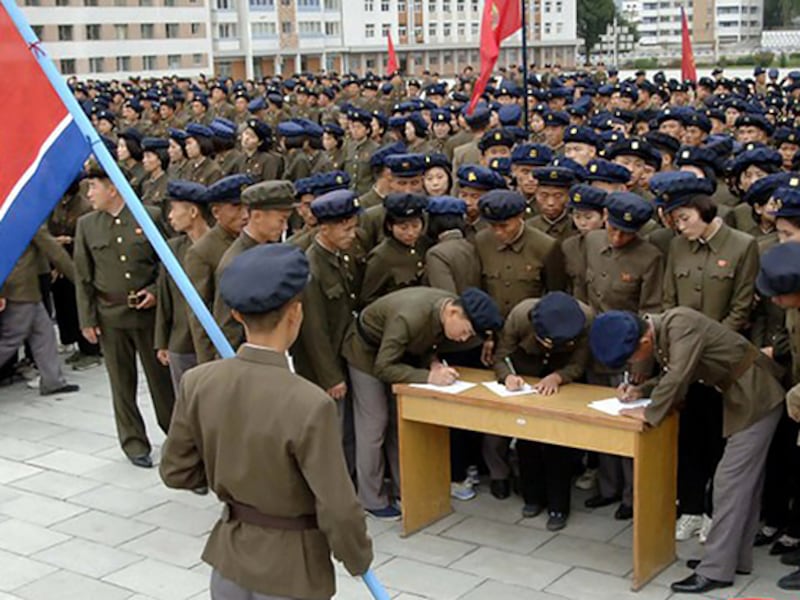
(307, 5)
(446, 6)
(402, 31)
(65, 33)
(38, 30)
(145, 2)
(474, 5)
(120, 2)
(473, 28)
(331, 4)
(96, 64)
(225, 5)
(197, 59)
(369, 5)
(149, 63)
(90, 2)
(262, 4)
(432, 6)
(146, 30)
(121, 32)
(559, 27)
(174, 61)
(93, 32)
(418, 33)
(418, 6)
(386, 29)
(62, 2)
(385, 5)
(460, 6)
(433, 29)
(123, 63)
(169, 3)
(559, 6)
(370, 63)
(226, 30)
(264, 30)
(171, 30)
(401, 6)
(196, 28)
(462, 29)
(447, 58)
(447, 29)
(286, 27)
(332, 28)
(547, 27)
(309, 28)
(286, 2)
(67, 66)
(369, 30)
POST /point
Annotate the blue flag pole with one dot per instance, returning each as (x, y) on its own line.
(138, 210)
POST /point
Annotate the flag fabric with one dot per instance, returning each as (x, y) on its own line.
(508, 15)
(688, 70)
(43, 149)
(392, 65)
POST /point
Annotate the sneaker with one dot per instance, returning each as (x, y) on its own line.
(390, 513)
(462, 491)
(687, 526)
(766, 535)
(704, 529)
(473, 477)
(587, 480)
(85, 362)
(784, 545)
(74, 357)
(33, 383)
(66, 349)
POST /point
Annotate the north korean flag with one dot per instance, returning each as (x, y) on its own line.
(41, 148)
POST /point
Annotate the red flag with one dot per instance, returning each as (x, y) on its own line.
(509, 20)
(391, 65)
(688, 70)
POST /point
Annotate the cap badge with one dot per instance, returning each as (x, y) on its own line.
(533, 153)
(356, 203)
(553, 174)
(634, 145)
(685, 154)
(628, 217)
(498, 136)
(593, 168)
(794, 182)
(576, 198)
(472, 176)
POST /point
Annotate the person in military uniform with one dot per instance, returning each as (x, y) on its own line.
(115, 286)
(129, 157)
(280, 525)
(689, 347)
(306, 191)
(226, 155)
(259, 161)
(177, 153)
(155, 160)
(269, 205)
(200, 113)
(442, 129)
(556, 122)
(203, 256)
(451, 263)
(437, 180)
(394, 341)
(468, 152)
(200, 166)
(750, 166)
(416, 134)
(358, 150)
(333, 144)
(546, 338)
(173, 338)
(382, 175)
(473, 182)
(552, 195)
(587, 206)
(787, 141)
(581, 144)
(302, 141)
(524, 159)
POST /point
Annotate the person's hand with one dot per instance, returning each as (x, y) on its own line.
(64, 240)
(147, 300)
(487, 353)
(441, 375)
(163, 357)
(2, 304)
(628, 393)
(634, 413)
(548, 386)
(91, 334)
(769, 351)
(638, 378)
(514, 383)
(338, 392)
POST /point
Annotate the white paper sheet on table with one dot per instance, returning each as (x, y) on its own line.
(612, 406)
(453, 388)
(503, 392)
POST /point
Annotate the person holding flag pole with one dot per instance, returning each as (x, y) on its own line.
(63, 148)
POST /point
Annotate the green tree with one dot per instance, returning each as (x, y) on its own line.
(594, 16)
(778, 14)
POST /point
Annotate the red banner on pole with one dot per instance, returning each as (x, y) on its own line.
(688, 70)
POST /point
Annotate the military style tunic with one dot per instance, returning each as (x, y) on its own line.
(356, 163)
(172, 312)
(560, 229)
(574, 249)
(233, 331)
(230, 162)
(202, 170)
(391, 266)
(262, 166)
(452, 263)
(22, 284)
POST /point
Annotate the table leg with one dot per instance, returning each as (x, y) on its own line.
(655, 475)
(424, 472)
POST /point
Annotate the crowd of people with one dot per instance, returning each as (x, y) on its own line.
(573, 226)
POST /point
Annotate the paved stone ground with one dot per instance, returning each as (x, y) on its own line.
(78, 522)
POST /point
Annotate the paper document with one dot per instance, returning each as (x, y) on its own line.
(453, 388)
(502, 391)
(612, 406)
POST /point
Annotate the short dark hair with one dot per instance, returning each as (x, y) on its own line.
(704, 205)
(134, 148)
(221, 144)
(206, 145)
(268, 321)
(162, 155)
(391, 219)
(438, 224)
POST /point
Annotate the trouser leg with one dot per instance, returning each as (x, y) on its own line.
(465, 451)
(178, 365)
(700, 421)
(558, 462)
(157, 375)
(494, 449)
(16, 322)
(777, 494)
(609, 475)
(532, 473)
(44, 347)
(225, 589)
(345, 407)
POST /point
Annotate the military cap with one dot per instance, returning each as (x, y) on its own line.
(222, 130)
(334, 129)
(559, 92)
(106, 115)
(500, 205)
(378, 158)
(698, 119)
(663, 142)
(479, 117)
(495, 137)
(187, 191)
(132, 134)
(554, 176)
(229, 189)
(534, 155)
(556, 118)
(628, 211)
(557, 319)
(256, 104)
(437, 89)
(582, 135)
(405, 165)
(605, 90)
(783, 135)
(636, 147)
(614, 337)
(788, 199)
(480, 178)
(270, 195)
(754, 120)
(502, 165)
(762, 156)
(437, 159)
(509, 114)
(396, 122)
(327, 182)
(773, 73)
(264, 278)
(780, 270)
(599, 169)
(362, 116)
(304, 186)
(134, 104)
(291, 129)
(761, 190)
(336, 205)
(197, 130)
(261, 129)
(699, 156)
(446, 205)
(405, 205)
(482, 311)
(671, 114)
(567, 163)
(583, 196)
(201, 98)
(507, 88)
(674, 189)
(440, 115)
(276, 99)
(151, 144)
(179, 135)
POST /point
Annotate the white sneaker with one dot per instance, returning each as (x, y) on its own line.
(33, 383)
(462, 491)
(686, 526)
(706, 527)
(587, 480)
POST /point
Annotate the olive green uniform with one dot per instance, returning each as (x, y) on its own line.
(356, 163)
(233, 331)
(391, 266)
(202, 170)
(262, 166)
(452, 263)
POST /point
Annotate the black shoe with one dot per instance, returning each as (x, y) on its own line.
(500, 488)
(529, 511)
(599, 501)
(557, 521)
(67, 388)
(144, 461)
(762, 539)
(624, 513)
(790, 582)
(693, 563)
(779, 548)
(697, 584)
(791, 559)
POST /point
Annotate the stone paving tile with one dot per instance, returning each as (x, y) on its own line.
(16, 449)
(81, 441)
(178, 517)
(16, 571)
(24, 538)
(423, 547)
(511, 568)
(30, 429)
(498, 535)
(11, 470)
(583, 584)
(117, 501)
(494, 590)
(40, 510)
(584, 525)
(169, 547)
(584, 553)
(123, 474)
(161, 581)
(68, 461)
(87, 558)
(56, 485)
(103, 528)
(426, 580)
(70, 586)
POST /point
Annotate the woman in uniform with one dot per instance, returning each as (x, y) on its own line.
(437, 180)
(200, 167)
(260, 162)
(129, 157)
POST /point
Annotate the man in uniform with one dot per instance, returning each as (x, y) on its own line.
(468, 153)
(117, 271)
(552, 194)
(358, 150)
(281, 524)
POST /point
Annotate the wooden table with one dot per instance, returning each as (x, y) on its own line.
(425, 416)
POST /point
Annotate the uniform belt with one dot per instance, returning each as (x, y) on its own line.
(236, 511)
(364, 334)
(114, 299)
(748, 361)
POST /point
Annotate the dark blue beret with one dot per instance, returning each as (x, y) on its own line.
(634, 147)
(532, 155)
(107, 115)
(153, 143)
(197, 130)
(754, 120)
(335, 205)
(783, 135)
(479, 117)
(614, 338)
(605, 90)
(496, 137)
(222, 129)
(440, 116)
(310, 128)
(509, 114)
(502, 165)
(628, 211)
(362, 116)
(583, 196)
(481, 310)
(334, 129)
(437, 159)
(578, 170)
(264, 278)
(761, 156)
(304, 186)
(446, 205)
(698, 119)
(671, 113)
(229, 189)
(582, 135)
(201, 98)
(499, 205)
(406, 165)
(179, 135)
(133, 134)
(418, 121)
(327, 182)
(405, 205)
(554, 176)
(557, 318)
(396, 122)
(556, 118)
(507, 88)
(480, 178)
(780, 270)
(698, 156)
(773, 73)
(378, 158)
(261, 129)
(187, 191)
(437, 89)
(663, 141)
(600, 169)
(276, 98)
(673, 189)
(290, 129)
(788, 199)
(764, 188)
